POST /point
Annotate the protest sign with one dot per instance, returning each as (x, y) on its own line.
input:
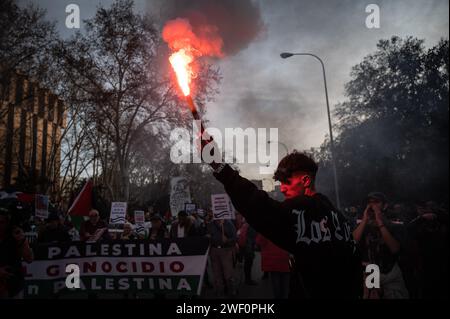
(117, 216)
(221, 206)
(179, 194)
(139, 220)
(166, 266)
(190, 208)
(139, 217)
(41, 206)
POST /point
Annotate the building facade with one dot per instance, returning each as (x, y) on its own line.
(31, 122)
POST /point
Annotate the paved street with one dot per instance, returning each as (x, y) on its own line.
(260, 291)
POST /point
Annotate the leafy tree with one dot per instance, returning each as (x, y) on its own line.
(393, 127)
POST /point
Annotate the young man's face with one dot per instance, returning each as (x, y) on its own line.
(294, 186)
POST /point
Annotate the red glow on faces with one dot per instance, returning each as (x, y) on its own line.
(294, 187)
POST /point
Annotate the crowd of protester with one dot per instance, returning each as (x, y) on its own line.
(408, 242)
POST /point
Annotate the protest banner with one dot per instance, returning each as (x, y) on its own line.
(222, 207)
(167, 266)
(41, 206)
(117, 216)
(179, 194)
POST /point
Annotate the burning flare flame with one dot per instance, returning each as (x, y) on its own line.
(181, 64)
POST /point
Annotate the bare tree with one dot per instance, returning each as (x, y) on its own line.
(118, 68)
(25, 40)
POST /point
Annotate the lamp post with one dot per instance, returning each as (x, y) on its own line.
(286, 55)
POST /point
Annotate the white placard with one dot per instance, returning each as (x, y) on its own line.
(139, 217)
(118, 213)
(139, 220)
(179, 195)
(221, 206)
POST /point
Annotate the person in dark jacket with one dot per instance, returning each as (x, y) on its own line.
(223, 237)
(94, 228)
(306, 225)
(158, 230)
(183, 227)
(54, 231)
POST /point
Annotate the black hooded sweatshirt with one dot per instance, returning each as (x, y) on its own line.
(311, 229)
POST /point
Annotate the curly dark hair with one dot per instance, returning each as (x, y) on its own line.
(295, 162)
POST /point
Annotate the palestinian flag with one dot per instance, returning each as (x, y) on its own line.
(81, 205)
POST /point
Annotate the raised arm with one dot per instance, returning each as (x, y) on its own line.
(266, 215)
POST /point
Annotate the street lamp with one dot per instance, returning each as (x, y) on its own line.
(286, 55)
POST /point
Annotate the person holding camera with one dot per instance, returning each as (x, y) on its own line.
(379, 241)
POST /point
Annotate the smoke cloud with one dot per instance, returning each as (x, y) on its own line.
(179, 35)
(215, 28)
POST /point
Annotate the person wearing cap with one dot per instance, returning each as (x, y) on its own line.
(379, 241)
(306, 224)
(53, 231)
(158, 229)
